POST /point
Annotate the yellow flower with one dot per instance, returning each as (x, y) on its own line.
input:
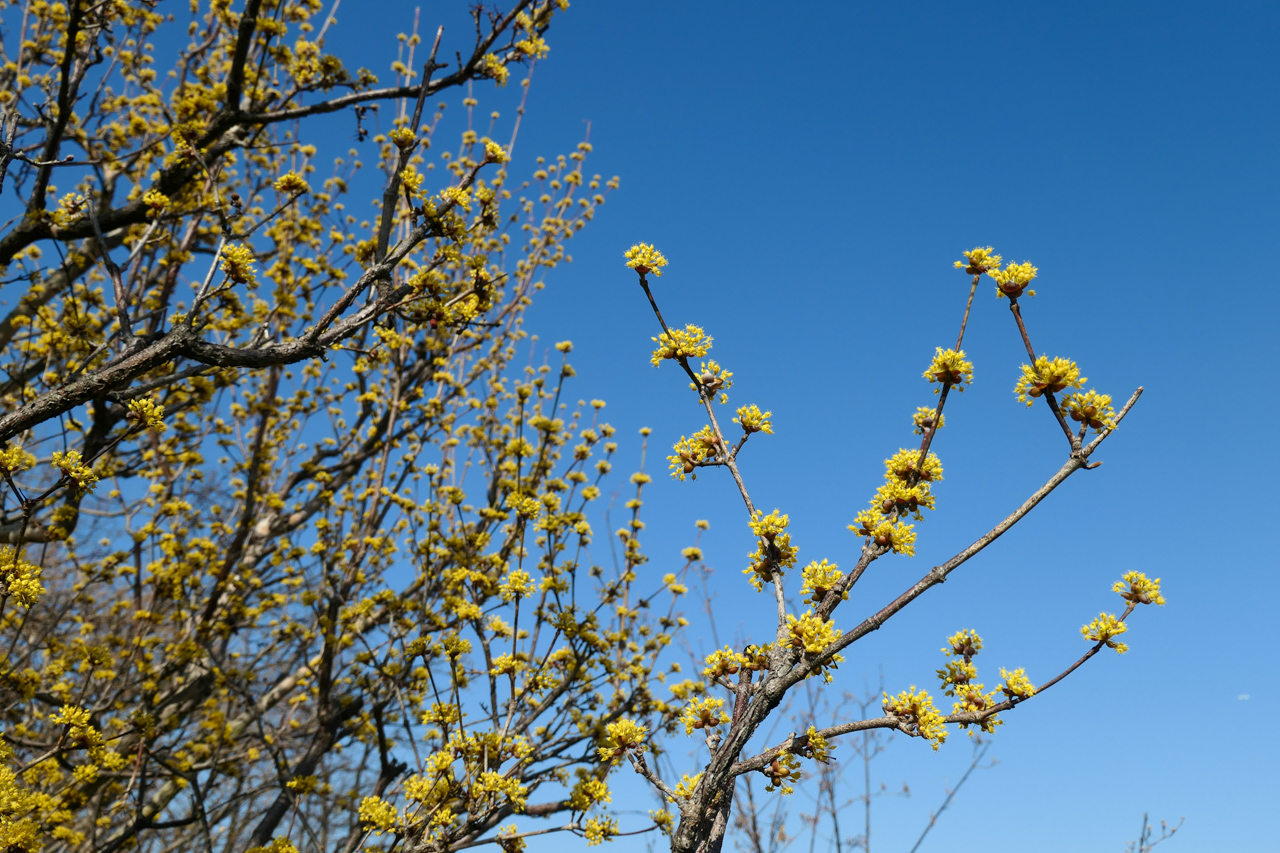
(1090, 408)
(783, 769)
(979, 260)
(949, 368)
(684, 789)
(291, 183)
(689, 453)
(714, 378)
(902, 467)
(963, 644)
(810, 633)
(1013, 279)
(74, 469)
(681, 344)
(774, 550)
(897, 536)
(155, 202)
(1047, 376)
(15, 459)
(1016, 684)
(588, 791)
(819, 579)
(1104, 629)
(644, 258)
(1137, 588)
(723, 662)
(620, 737)
(403, 138)
(377, 814)
(146, 412)
(494, 68)
(817, 747)
(703, 714)
(20, 579)
(971, 697)
(887, 534)
(599, 829)
(927, 418)
(495, 153)
(918, 715)
(533, 47)
(904, 499)
(517, 584)
(957, 673)
(237, 263)
(751, 419)
(458, 196)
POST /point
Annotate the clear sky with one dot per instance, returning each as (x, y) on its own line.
(811, 170)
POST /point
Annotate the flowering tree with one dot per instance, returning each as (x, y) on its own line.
(293, 556)
(751, 683)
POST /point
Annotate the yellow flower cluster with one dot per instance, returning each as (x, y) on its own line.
(685, 787)
(681, 344)
(237, 263)
(155, 202)
(494, 68)
(963, 644)
(972, 698)
(379, 815)
(14, 459)
(715, 379)
(495, 153)
(644, 259)
(1013, 279)
(456, 195)
(819, 579)
(927, 418)
(147, 413)
(1016, 684)
(812, 634)
(74, 469)
(1047, 376)
(774, 550)
(703, 714)
(722, 663)
(621, 737)
(533, 47)
(950, 368)
(979, 260)
(1104, 629)
(751, 419)
(902, 467)
(782, 771)
(403, 138)
(517, 584)
(689, 453)
(1137, 588)
(895, 535)
(19, 579)
(291, 183)
(956, 673)
(816, 747)
(1090, 408)
(918, 715)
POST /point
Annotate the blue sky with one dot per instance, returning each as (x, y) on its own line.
(811, 171)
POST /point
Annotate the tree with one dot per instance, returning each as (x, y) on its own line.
(295, 555)
(758, 678)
